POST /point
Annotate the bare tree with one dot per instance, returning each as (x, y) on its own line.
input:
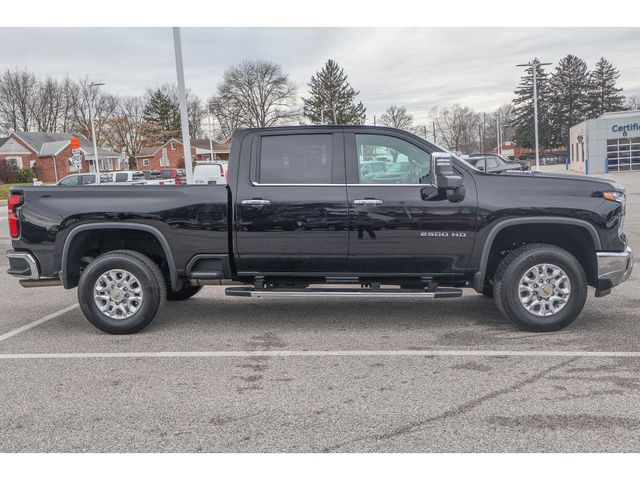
(70, 93)
(457, 127)
(17, 91)
(632, 102)
(126, 129)
(103, 104)
(195, 112)
(397, 117)
(228, 115)
(48, 105)
(256, 94)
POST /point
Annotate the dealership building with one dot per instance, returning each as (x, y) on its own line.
(609, 143)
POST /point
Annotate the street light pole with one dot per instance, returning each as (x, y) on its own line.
(210, 131)
(182, 97)
(535, 64)
(96, 163)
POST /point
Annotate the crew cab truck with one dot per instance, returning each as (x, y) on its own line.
(297, 219)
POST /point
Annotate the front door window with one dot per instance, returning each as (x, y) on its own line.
(388, 160)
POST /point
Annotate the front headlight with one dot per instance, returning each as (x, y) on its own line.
(617, 196)
(614, 196)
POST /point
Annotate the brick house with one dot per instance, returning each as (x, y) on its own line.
(171, 153)
(49, 154)
(204, 149)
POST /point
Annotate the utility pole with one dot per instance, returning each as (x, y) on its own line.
(433, 123)
(96, 163)
(483, 130)
(182, 97)
(210, 131)
(498, 147)
(534, 65)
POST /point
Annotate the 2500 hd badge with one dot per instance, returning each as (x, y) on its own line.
(444, 234)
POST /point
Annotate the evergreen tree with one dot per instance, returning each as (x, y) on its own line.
(603, 95)
(522, 115)
(331, 92)
(569, 89)
(162, 113)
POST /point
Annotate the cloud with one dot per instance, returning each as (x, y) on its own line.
(416, 67)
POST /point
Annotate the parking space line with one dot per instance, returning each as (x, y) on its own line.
(320, 353)
(35, 323)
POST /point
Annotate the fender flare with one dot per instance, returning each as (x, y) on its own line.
(479, 276)
(173, 272)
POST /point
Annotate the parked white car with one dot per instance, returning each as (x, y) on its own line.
(211, 173)
(127, 177)
(84, 179)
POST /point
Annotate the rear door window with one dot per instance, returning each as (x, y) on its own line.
(121, 177)
(295, 159)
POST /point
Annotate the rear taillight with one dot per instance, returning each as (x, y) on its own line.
(15, 200)
(222, 174)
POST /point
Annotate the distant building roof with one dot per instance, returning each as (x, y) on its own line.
(51, 143)
(204, 144)
(624, 113)
(198, 143)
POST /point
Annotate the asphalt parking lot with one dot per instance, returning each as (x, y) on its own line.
(337, 375)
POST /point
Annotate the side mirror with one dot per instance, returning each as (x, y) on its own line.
(445, 177)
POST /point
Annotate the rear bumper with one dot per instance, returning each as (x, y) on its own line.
(614, 268)
(23, 265)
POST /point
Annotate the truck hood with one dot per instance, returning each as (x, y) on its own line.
(588, 182)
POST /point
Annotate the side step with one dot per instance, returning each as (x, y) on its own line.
(342, 292)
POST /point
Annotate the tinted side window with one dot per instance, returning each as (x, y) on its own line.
(295, 159)
(88, 179)
(492, 162)
(121, 177)
(401, 162)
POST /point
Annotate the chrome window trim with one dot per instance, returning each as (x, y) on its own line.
(255, 184)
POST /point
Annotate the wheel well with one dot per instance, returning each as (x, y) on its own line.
(574, 239)
(88, 244)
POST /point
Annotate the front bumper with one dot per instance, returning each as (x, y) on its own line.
(614, 268)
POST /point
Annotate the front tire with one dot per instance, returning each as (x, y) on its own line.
(540, 287)
(121, 292)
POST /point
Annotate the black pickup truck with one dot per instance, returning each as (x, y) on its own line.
(299, 218)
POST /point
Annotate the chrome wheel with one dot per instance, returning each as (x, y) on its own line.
(118, 294)
(544, 290)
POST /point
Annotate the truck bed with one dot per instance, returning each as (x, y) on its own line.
(194, 219)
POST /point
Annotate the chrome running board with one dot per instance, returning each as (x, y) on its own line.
(343, 292)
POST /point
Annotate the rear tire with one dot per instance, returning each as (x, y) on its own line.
(121, 292)
(540, 287)
(184, 293)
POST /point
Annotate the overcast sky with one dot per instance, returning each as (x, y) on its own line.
(416, 67)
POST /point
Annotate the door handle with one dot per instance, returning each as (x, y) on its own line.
(256, 202)
(368, 202)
